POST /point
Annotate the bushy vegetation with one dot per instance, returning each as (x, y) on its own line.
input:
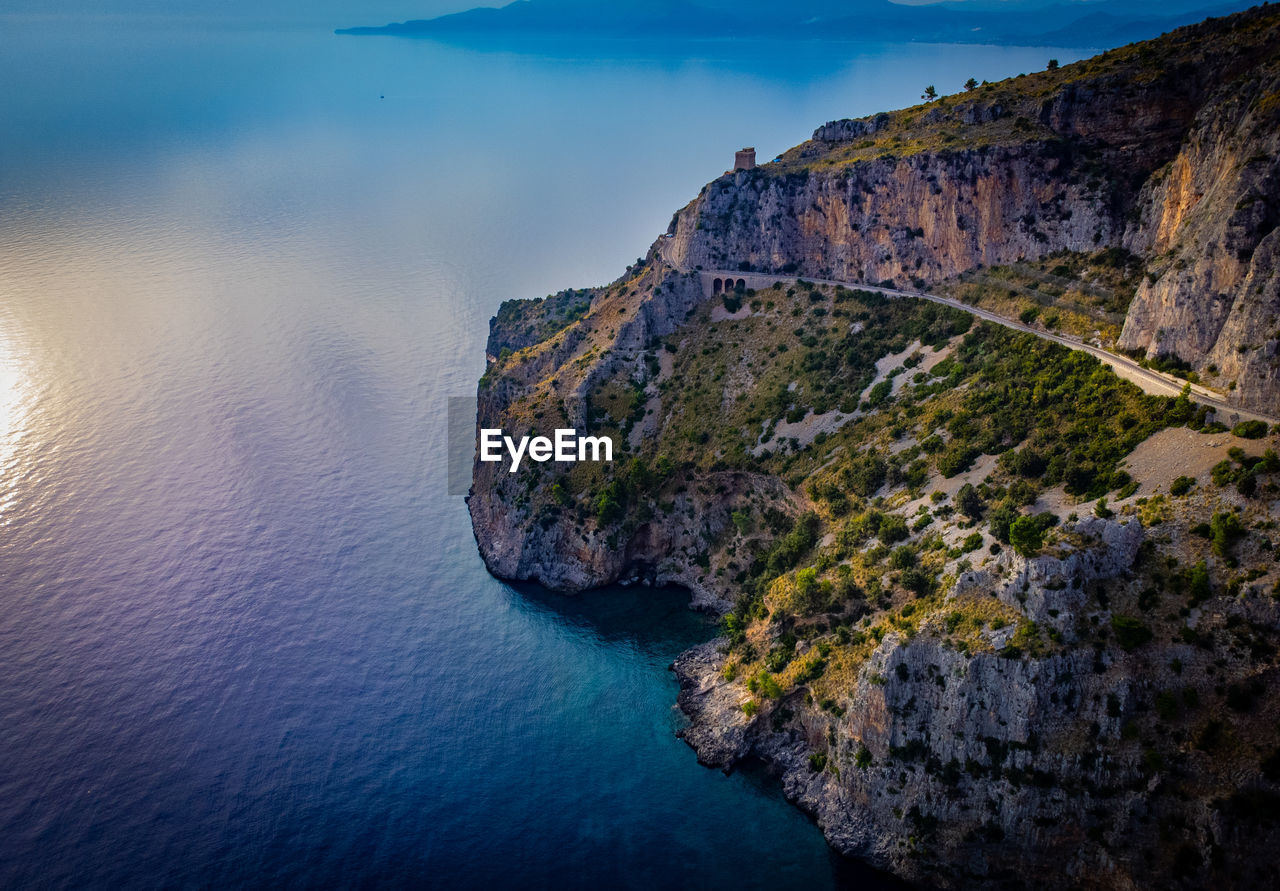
(1250, 429)
(1242, 470)
(1082, 294)
(526, 322)
(1130, 632)
(1074, 419)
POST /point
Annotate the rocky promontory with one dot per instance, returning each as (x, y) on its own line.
(993, 615)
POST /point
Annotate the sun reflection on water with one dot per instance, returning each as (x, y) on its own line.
(12, 419)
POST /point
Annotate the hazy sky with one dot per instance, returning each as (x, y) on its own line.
(338, 13)
(341, 12)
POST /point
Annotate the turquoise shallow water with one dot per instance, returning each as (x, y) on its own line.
(246, 639)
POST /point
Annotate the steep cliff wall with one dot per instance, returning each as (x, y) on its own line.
(925, 217)
(1209, 226)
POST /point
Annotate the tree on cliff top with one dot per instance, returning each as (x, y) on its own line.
(1026, 536)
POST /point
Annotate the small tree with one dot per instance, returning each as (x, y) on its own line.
(1053, 64)
(930, 93)
(1130, 632)
(970, 502)
(1026, 536)
(971, 84)
(1224, 529)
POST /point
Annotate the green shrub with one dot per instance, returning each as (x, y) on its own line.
(903, 557)
(1198, 583)
(1225, 529)
(794, 545)
(1250, 429)
(1181, 485)
(956, 459)
(1130, 632)
(766, 685)
(893, 529)
(1167, 705)
(1026, 536)
(1223, 473)
(880, 393)
(1000, 520)
(1127, 489)
(918, 581)
(970, 502)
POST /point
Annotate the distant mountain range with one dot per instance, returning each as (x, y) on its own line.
(968, 21)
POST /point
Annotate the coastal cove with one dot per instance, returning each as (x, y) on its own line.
(247, 638)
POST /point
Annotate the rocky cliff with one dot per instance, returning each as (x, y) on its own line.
(1167, 149)
(993, 615)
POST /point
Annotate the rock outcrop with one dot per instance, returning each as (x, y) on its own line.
(960, 769)
(1050, 589)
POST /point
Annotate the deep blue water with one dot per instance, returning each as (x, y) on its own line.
(245, 638)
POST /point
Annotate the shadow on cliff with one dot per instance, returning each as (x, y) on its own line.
(657, 621)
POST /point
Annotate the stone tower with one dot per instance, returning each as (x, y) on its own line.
(745, 159)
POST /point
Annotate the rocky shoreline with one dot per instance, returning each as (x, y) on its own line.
(976, 746)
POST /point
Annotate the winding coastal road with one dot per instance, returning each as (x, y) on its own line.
(1151, 381)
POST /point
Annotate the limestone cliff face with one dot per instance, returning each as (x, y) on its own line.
(925, 217)
(1209, 223)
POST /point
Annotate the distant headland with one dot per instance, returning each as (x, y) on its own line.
(1023, 22)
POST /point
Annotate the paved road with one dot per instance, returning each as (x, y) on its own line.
(1149, 380)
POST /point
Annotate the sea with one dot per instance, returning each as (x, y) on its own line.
(246, 639)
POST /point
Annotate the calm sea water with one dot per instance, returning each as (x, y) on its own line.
(245, 638)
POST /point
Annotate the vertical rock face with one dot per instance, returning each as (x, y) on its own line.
(1050, 589)
(925, 217)
(1209, 223)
